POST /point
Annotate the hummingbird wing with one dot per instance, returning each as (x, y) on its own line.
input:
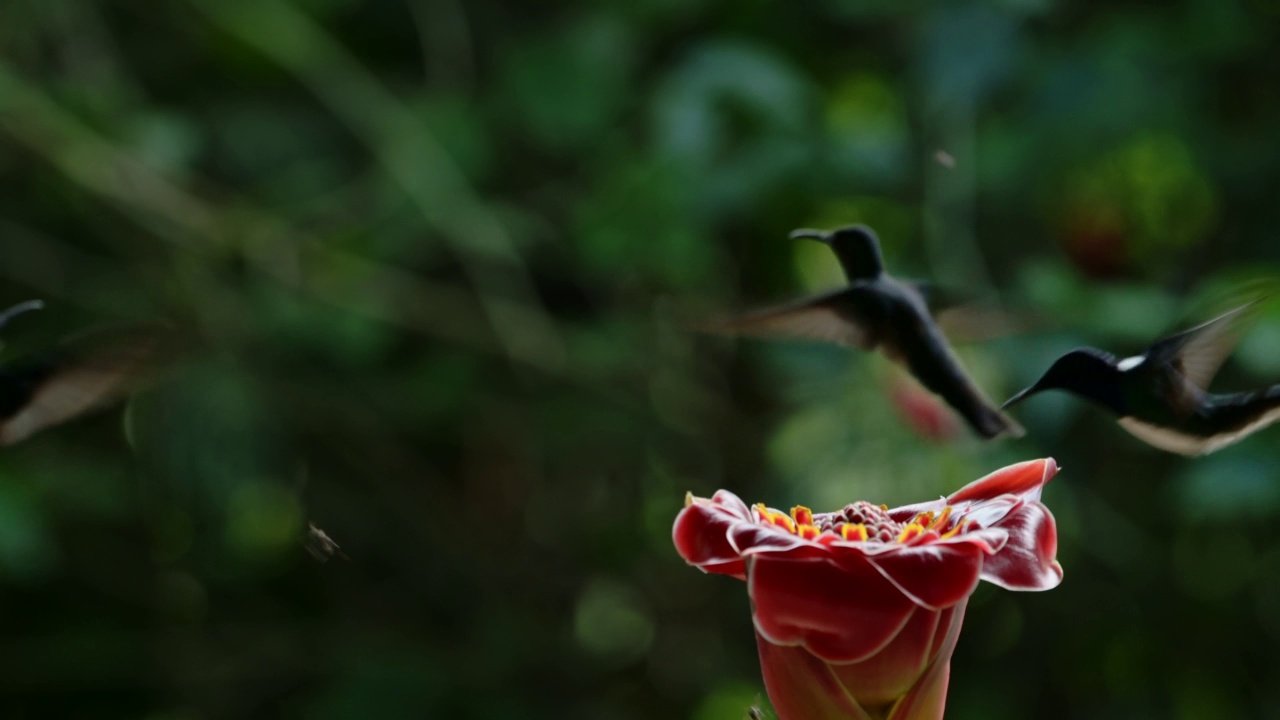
(940, 298)
(1196, 355)
(964, 317)
(832, 317)
(87, 373)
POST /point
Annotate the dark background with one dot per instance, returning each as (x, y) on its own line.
(435, 254)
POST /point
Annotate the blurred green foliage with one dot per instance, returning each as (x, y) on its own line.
(437, 257)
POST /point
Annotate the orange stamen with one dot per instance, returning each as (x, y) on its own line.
(808, 532)
(910, 532)
(802, 515)
(782, 521)
(943, 517)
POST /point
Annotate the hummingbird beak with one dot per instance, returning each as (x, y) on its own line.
(19, 309)
(1020, 396)
(808, 234)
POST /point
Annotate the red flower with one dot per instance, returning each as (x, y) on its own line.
(857, 611)
(923, 412)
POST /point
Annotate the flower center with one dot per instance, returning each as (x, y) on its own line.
(861, 521)
(875, 518)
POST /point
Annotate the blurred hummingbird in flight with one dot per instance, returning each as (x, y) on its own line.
(1160, 395)
(878, 311)
(83, 374)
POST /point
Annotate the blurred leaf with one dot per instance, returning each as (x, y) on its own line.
(724, 93)
(732, 702)
(867, 120)
(263, 521)
(1227, 486)
(612, 623)
(27, 549)
(965, 52)
(567, 87)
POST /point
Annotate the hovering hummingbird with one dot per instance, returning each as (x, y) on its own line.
(320, 545)
(877, 310)
(83, 374)
(1160, 395)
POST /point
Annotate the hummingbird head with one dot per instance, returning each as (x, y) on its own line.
(856, 247)
(1085, 372)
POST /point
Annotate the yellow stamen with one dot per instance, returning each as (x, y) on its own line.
(808, 532)
(853, 531)
(910, 532)
(955, 530)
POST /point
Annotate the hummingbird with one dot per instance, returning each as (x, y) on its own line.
(1160, 395)
(879, 312)
(85, 373)
(320, 545)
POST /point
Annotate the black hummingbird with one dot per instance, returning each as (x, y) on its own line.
(1160, 395)
(877, 310)
(83, 374)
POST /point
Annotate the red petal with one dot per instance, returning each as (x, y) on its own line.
(701, 537)
(877, 682)
(936, 575)
(989, 513)
(802, 687)
(928, 699)
(1027, 561)
(989, 540)
(907, 512)
(1025, 478)
(865, 549)
(761, 538)
(841, 613)
(732, 504)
